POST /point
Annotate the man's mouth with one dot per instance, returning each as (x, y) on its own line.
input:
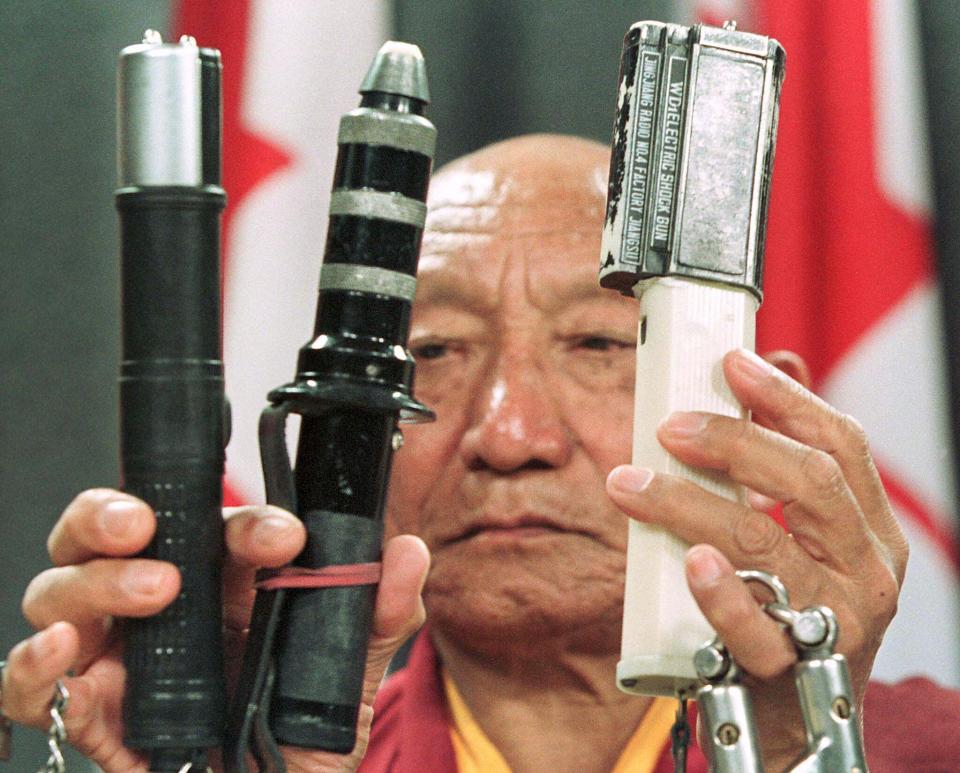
(527, 527)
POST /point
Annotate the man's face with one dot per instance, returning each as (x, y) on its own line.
(529, 366)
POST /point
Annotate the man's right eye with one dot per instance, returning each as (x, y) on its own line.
(429, 351)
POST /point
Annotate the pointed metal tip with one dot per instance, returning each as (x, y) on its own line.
(398, 68)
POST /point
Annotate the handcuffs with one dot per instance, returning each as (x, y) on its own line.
(729, 738)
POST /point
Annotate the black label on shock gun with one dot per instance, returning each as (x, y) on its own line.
(638, 182)
(668, 167)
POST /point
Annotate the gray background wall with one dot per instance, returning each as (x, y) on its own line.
(58, 291)
(498, 69)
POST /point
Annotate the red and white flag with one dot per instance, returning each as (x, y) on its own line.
(850, 283)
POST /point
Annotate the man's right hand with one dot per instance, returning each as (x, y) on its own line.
(95, 579)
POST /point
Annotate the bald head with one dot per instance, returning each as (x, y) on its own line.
(522, 185)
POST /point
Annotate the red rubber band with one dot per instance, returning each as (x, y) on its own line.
(334, 576)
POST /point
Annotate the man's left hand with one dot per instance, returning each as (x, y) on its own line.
(843, 547)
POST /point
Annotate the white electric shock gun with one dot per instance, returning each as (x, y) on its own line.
(686, 213)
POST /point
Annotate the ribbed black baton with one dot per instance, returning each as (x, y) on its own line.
(303, 669)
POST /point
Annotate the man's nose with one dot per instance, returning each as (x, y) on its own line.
(515, 422)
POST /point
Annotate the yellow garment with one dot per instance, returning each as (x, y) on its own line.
(475, 753)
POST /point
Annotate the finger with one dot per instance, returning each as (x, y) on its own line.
(101, 588)
(754, 640)
(749, 539)
(93, 702)
(796, 412)
(761, 503)
(399, 609)
(100, 522)
(33, 667)
(819, 507)
(398, 613)
(264, 536)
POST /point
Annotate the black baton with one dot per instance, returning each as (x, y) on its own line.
(172, 407)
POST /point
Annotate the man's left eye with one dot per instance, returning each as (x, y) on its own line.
(601, 343)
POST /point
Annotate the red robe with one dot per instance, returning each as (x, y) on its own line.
(909, 727)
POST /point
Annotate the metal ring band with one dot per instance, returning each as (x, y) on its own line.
(385, 206)
(377, 127)
(771, 581)
(367, 279)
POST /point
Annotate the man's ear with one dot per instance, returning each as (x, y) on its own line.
(792, 364)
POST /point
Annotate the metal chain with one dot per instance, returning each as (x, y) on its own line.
(57, 734)
(680, 737)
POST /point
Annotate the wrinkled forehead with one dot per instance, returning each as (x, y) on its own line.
(517, 215)
(521, 188)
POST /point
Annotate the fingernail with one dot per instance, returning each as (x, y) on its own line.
(684, 424)
(629, 479)
(117, 516)
(42, 645)
(144, 580)
(705, 570)
(270, 526)
(760, 502)
(752, 366)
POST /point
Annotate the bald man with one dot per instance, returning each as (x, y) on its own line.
(519, 492)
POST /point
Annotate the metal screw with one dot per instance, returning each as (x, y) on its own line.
(841, 707)
(710, 662)
(728, 734)
(152, 37)
(809, 627)
(188, 40)
(396, 442)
